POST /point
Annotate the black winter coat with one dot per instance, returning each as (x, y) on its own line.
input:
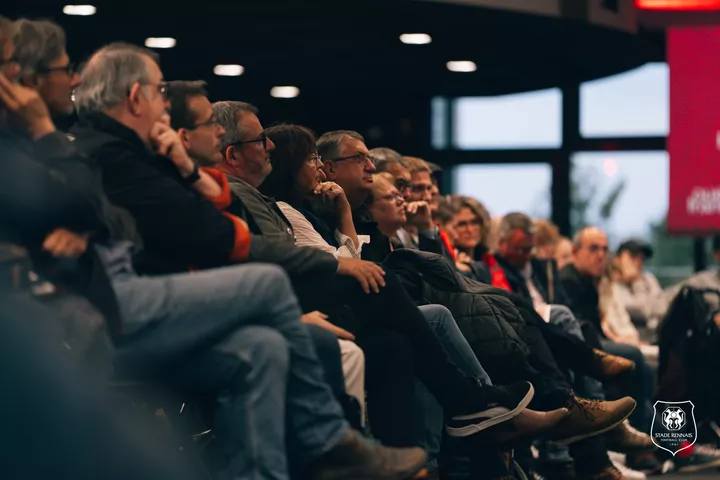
(490, 322)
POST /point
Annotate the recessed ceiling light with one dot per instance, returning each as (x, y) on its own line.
(83, 10)
(228, 70)
(415, 38)
(461, 66)
(285, 92)
(160, 42)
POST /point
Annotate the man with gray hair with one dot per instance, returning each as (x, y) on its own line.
(46, 67)
(233, 333)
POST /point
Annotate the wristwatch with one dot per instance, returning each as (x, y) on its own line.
(193, 177)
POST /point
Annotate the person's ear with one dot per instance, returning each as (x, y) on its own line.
(134, 99)
(184, 135)
(329, 169)
(28, 80)
(230, 156)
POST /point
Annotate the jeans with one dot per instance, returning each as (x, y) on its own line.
(453, 341)
(637, 384)
(178, 324)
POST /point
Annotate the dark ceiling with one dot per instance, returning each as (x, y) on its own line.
(345, 55)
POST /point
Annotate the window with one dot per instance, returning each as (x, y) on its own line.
(439, 114)
(523, 120)
(630, 104)
(626, 194)
(507, 188)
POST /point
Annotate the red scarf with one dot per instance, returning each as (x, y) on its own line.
(499, 279)
(448, 244)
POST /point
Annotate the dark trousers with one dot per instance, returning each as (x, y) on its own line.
(390, 387)
(348, 306)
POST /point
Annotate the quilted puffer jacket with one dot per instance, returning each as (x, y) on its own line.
(486, 316)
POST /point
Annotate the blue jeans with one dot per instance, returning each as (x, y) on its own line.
(638, 384)
(190, 324)
(454, 343)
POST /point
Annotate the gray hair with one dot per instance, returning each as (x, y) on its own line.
(37, 44)
(328, 144)
(110, 75)
(385, 157)
(228, 116)
(515, 221)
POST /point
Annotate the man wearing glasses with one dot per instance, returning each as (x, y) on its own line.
(46, 67)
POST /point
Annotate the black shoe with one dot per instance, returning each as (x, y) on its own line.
(495, 405)
(701, 457)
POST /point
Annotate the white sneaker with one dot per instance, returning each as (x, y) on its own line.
(627, 472)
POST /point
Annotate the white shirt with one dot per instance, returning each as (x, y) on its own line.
(541, 306)
(307, 236)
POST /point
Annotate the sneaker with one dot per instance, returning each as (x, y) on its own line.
(608, 473)
(498, 404)
(607, 366)
(354, 457)
(625, 439)
(628, 472)
(589, 418)
(696, 458)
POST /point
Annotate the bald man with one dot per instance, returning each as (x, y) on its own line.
(580, 279)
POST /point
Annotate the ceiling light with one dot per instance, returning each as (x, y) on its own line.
(415, 38)
(285, 92)
(461, 66)
(228, 70)
(160, 42)
(83, 10)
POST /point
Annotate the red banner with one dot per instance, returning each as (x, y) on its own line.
(694, 142)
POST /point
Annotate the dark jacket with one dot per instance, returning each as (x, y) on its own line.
(545, 277)
(179, 228)
(486, 316)
(275, 241)
(582, 294)
(45, 185)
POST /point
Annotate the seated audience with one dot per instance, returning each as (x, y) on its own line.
(546, 238)
(707, 279)
(563, 252)
(233, 333)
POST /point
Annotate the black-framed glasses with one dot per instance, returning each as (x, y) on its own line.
(315, 160)
(357, 158)
(12, 59)
(213, 123)
(69, 69)
(402, 184)
(262, 139)
(421, 188)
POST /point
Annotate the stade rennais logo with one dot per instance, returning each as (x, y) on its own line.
(673, 426)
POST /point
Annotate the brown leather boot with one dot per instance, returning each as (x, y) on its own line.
(607, 366)
(589, 418)
(355, 457)
(625, 439)
(526, 425)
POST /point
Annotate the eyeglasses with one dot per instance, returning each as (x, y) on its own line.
(402, 184)
(213, 122)
(261, 139)
(315, 160)
(357, 158)
(12, 59)
(468, 223)
(161, 88)
(421, 188)
(393, 197)
(595, 248)
(69, 69)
